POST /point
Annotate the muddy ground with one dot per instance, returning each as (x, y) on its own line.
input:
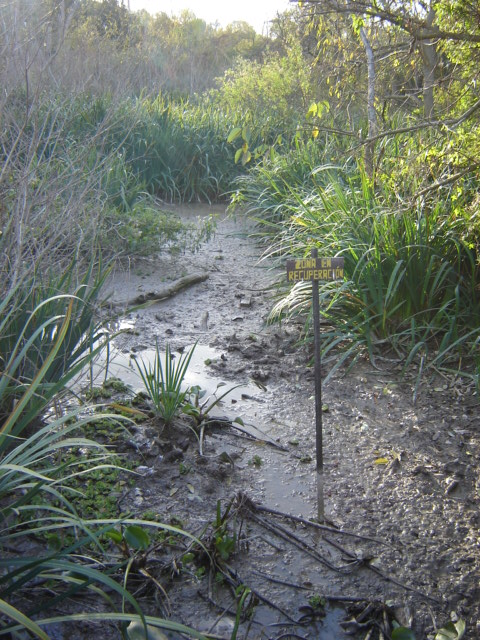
(402, 484)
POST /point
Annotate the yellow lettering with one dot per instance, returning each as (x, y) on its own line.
(313, 269)
(306, 263)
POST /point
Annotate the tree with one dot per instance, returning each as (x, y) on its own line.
(426, 61)
(426, 26)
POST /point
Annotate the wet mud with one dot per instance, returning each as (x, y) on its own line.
(401, 487)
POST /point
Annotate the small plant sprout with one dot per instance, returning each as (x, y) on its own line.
(316, 601)
(256, 461)
(198, 408)
(163, 382)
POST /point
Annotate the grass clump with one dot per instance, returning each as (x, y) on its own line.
(163, 382)
(57, 499)
(409, 295)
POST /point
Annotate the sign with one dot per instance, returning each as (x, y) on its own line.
(314, 269)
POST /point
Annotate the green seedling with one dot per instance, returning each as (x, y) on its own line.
(316, 601)
(199, 408)
(224, 544)
(163, 382)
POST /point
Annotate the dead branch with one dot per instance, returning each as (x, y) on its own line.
(168, 290)
(246, 501)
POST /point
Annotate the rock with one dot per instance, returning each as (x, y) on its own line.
(173, 455)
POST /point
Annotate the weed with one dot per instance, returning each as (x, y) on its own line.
(183, 469)
(116, 385)
(198, 408)
(223, 544)
(241, 592)
(317, 601)
(200, 572)
(97, 393)
(256, 461)
(163, 382)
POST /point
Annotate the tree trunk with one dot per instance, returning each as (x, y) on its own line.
(428, 52)
(371, 113)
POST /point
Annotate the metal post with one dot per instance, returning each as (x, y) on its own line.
(318, 396)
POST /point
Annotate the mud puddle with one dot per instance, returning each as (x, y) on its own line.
(401, 481)
(235, 401)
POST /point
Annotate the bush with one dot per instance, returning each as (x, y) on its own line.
(409, 277)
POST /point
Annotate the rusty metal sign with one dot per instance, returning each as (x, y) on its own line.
(314, 269)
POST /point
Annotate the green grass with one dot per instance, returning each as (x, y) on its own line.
(35, 313)
(44, 463)
(409, 294)
(163, 381)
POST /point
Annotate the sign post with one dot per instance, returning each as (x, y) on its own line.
(316, 269)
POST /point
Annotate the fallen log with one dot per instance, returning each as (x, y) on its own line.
(168, 290)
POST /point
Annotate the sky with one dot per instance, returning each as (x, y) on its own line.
(255, 12)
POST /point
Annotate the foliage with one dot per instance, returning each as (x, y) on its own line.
(223, 543)
(163, 382)
(409, 277)
(279, 87)
(271, 190)
(198, 405)
(34, 315)
(38, 473)
(144, 229)
(451, 631)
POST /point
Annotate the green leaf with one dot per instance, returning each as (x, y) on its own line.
(451, 631)
(357, 23)
(246, 157)
(18, 616)
(238, 155)
(246, 133)
(136, 537)
(402, 633)
(312, 110)
(239, 421)
(114, 535)
(234, 133)
(136, 631)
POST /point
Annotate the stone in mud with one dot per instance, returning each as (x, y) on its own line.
(173, 455)
(260, 375)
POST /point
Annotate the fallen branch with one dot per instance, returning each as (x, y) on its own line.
(168, 290)
(246, 501)
(231, 573)
(249, 509)
(248, 432)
